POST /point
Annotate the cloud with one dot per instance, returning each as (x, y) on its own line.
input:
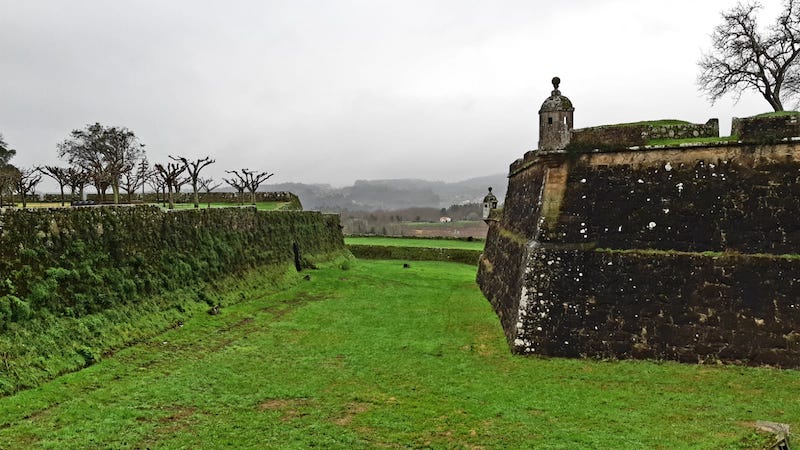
(333, 91)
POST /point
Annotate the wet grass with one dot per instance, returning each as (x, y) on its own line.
(694, 140)
(380, 356)
(779, 114)
(413, 242)
(652, 123)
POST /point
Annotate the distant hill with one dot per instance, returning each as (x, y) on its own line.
(368, 195)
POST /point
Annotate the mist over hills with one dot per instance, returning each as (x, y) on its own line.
(368, 195)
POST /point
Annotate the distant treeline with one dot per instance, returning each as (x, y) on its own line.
(389, 223)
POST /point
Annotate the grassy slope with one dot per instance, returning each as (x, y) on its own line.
(411, 242)
(381, 356)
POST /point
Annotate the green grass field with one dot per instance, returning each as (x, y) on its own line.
(380, 356)
(454, 224)
(412, 242)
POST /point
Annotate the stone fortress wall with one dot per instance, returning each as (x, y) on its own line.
(630, 135)
(77, 261)
(687, 253)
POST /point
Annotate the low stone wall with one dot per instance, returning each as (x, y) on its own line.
(688, 307)
(766, 130)
(638, 134)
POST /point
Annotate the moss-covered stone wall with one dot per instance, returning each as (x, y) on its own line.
(686, 254)
(680, 306)
(766, 129)
(638, 134)
(77, 261)
(748, 203)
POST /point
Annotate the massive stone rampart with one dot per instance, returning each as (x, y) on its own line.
(672, 253)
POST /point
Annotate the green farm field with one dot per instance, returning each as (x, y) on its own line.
(412, 242)
(367, 354)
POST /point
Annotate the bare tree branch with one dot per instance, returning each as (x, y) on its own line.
(193, 169)
(744, 57)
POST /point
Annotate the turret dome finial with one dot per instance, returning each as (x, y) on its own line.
(556, 82)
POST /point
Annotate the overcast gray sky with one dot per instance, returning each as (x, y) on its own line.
(339, 90)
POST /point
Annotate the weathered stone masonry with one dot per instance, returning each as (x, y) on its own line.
(683, 253)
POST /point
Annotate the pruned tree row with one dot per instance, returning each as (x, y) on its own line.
(113, 158)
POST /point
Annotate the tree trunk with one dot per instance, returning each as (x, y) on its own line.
(115, 191)
(62, 195)
(169, 196)
(196, 195)
(774, 101)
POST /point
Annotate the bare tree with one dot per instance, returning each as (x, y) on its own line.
(156, 183)
(170, 174)
(134, 178)
(744, 57)
(105, 153)
(60, 174)
(254, 180)
(26, 183)
(179, 183)
(208, 185)
(249, 180)
(237, 182)
(193, 169)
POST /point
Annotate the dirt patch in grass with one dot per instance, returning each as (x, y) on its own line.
(353, 409)
(41, 412)
(178, 414)
(283, 308)
(290, 408)
(179, 419)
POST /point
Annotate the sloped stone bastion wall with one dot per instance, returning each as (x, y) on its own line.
(689, 254)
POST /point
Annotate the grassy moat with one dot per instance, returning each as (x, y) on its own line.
(367, 354)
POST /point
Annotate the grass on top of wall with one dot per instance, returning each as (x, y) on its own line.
(693, 140)
(778, 114)
(371, 355)
(652, 123)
